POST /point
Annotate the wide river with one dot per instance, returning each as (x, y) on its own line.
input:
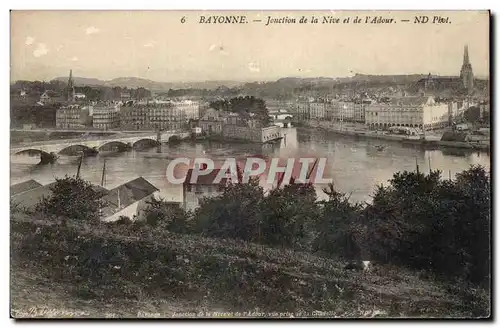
(356, 166)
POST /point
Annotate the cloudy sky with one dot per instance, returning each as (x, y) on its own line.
(157, 46)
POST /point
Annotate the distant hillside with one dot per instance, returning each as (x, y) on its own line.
(81, 81)
(136, 82)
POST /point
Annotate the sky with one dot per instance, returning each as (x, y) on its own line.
(156, 45)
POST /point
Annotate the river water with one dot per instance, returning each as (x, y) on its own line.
(355, 166)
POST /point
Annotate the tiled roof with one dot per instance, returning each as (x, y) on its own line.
(23, 187)
(31, 197)
(207, 179)
(129, 193)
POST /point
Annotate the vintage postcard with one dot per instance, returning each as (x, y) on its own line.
(250, 164)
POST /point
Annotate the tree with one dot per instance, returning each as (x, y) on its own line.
(424, 222)
(288, 215)
(159, 213)
(472, 114)
(244, 106)
(72, 199)
(338, 227)
(233, 214)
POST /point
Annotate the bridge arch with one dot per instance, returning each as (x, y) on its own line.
(78, 148)
(45, 157)
(174, 138)
(119, 144)
(151, 140)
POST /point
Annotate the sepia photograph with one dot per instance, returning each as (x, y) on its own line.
(204, 164)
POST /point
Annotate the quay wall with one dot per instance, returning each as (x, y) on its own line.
(404, 139)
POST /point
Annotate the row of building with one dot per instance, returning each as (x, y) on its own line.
(411, 111)
(163, 115)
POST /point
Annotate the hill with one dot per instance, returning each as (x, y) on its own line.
(108, 270)
(135, 82)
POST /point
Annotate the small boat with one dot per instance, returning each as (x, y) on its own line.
(380, 147)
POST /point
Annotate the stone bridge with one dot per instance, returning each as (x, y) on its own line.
(48, 150)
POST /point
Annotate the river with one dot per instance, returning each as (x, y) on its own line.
(356, 166)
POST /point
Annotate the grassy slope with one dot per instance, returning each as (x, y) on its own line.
(190, 273)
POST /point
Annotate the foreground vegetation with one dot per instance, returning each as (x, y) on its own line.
(284, 251)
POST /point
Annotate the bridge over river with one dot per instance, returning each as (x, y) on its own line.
(48, 150)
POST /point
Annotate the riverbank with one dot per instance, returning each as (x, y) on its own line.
(366, 134)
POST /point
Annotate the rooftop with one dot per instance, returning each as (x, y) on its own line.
(23, 187)
(128, 193)
(31, 197)
(207, 179)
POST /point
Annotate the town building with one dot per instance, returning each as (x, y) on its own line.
(79, 96)
(157, 114)
(129, 199)
(50, 97)
(72, 116)
(232, 126)
(204, 186)
(331, 110)
(134, 117)
(281, 118)
(125, 96)
(359, 110)
(465, 81)
(420, 112)
(251, 132)
(45, 98)
(212, 121)
(106, 116)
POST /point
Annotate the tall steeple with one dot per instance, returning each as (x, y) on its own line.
(466, 74)
(466, 55)
(70, 87)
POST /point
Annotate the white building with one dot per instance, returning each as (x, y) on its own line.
(129, 199)
(421, 112)
(79, 96)
(204, 186)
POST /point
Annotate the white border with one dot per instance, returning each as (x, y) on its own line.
(186, 4)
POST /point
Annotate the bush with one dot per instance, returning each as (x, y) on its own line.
(424, 222)
(169, 216)
(72, 199)
(236, 213)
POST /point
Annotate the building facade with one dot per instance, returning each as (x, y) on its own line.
(204, 186)
(72, 116)
(331, 110)
(162, 115)
(213, 120)
(251, 133)
(419, 112)
(106, 116)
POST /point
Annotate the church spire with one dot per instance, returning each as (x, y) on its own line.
(71, 87)
(466, 55)
(466, 73)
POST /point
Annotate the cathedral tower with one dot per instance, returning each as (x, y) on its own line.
(466, 74)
